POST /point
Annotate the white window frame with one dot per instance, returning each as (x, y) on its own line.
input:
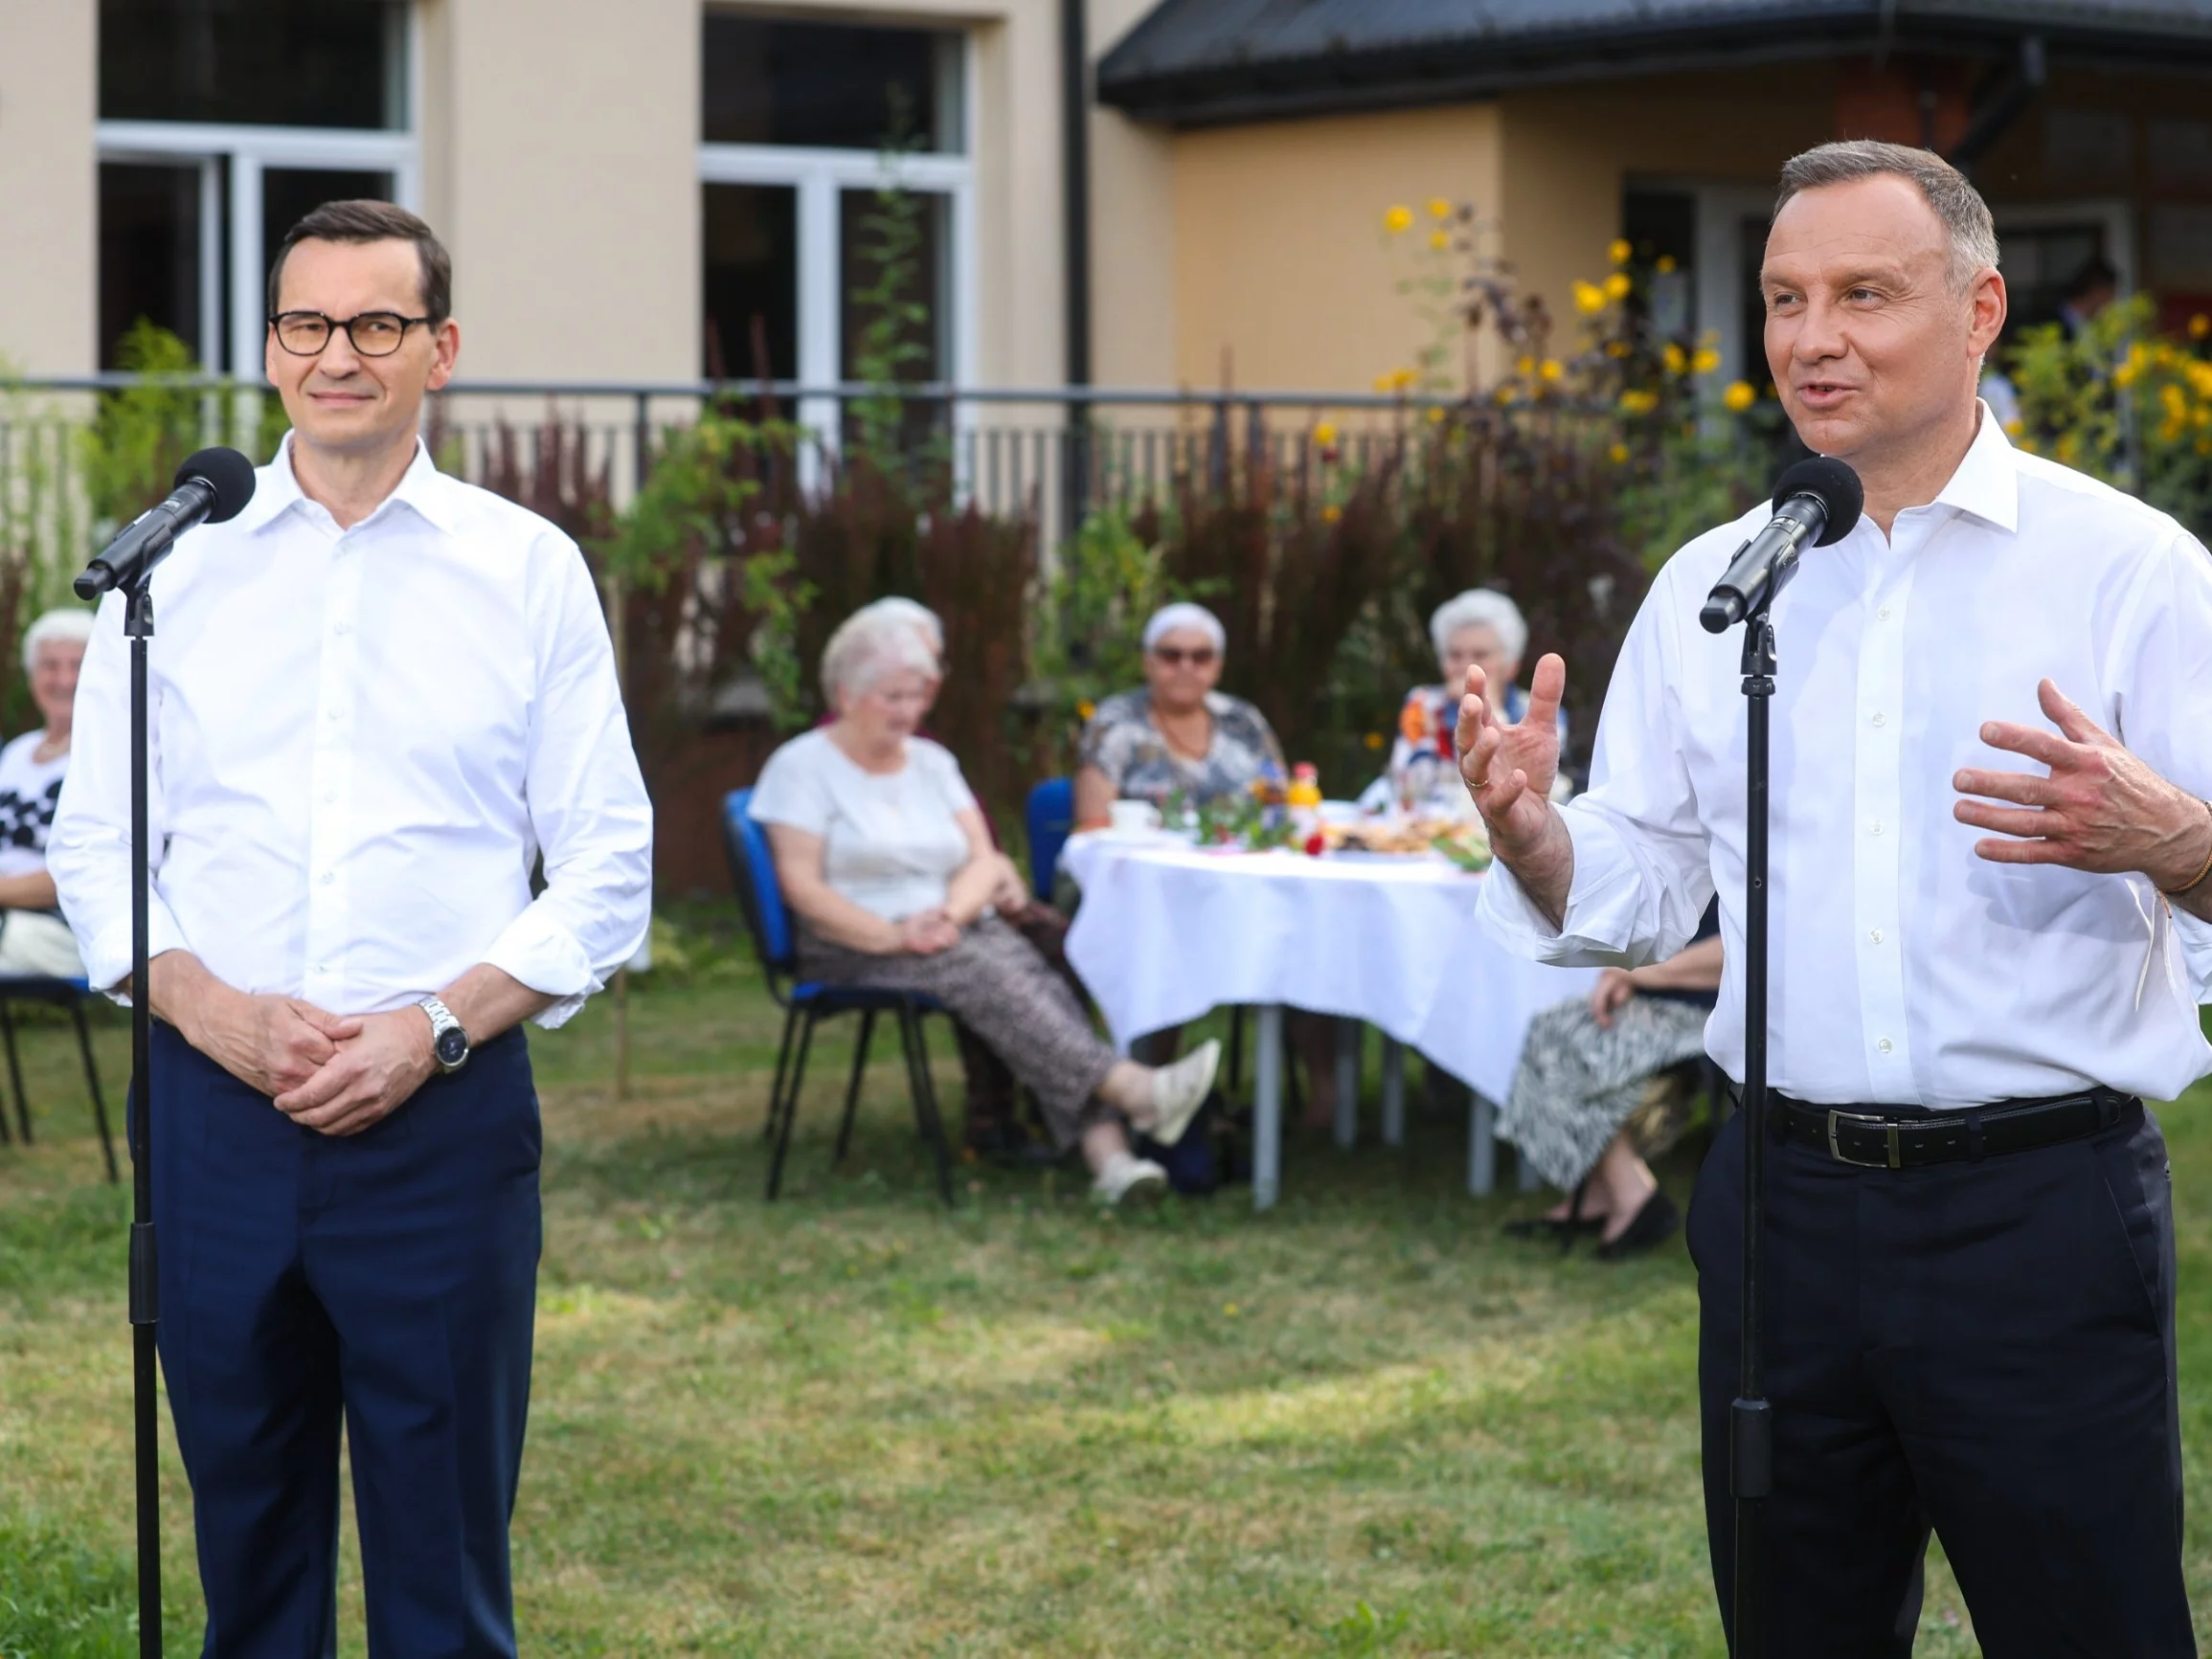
(817, 177)
(250, 150)
(2113, 214)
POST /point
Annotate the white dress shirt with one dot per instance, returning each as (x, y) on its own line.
(362, 741)
(1904, 969)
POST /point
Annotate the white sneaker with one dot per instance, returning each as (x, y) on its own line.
(1128, 1176)
(1180, 1089)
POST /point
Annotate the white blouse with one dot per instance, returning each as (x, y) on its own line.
(891, 843)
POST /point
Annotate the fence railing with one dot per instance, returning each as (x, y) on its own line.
(1051, 451)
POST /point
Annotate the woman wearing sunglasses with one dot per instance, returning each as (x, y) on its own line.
(1177, 734)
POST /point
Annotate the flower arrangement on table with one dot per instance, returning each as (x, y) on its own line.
(1277, 813)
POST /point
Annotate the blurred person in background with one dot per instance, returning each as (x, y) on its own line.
(34, 938)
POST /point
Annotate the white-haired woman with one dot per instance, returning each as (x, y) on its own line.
(1479, 628)
(882, 852)
(34, 938)
(1176, 734)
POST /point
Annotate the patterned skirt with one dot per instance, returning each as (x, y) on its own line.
(1580, 1083)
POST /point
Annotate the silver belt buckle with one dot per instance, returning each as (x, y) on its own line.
(1836, 1149)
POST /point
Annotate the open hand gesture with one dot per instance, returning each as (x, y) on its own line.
(2098, 807)
(1509, 767)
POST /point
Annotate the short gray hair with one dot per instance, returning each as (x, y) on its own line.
(1948, 191)
(867, 645)
(69, 624)
(914, 613)
(1481, 608)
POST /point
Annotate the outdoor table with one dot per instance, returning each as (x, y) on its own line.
(1167, 932)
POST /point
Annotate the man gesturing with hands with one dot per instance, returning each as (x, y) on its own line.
(1985, 889)
(382, 700)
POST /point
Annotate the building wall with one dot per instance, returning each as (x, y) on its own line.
(1285, 276)
(1133, 280)
(49, 187)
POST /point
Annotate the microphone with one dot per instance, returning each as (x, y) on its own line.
(210, 487)
(1815, 502)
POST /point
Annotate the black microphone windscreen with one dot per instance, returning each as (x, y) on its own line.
(1836, 486)
(226, 472)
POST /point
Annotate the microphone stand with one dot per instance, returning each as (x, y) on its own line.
(1751, 1417)
(145, 1276)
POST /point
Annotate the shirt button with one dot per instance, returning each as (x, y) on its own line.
(1880, 718)
(343, 628)
(1884, 613)
(1875, 934)
(329, 878)
(1874, 828)
(329, 794)
(1884, 1046)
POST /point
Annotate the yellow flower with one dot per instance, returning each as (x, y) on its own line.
(1551, 368)
(1589, 298)
(1331, 513)
(2199, 325)
(1440, 207)
(2123, 376)
(1384, 382)
(1617, 348)
(1525, 368)
(1402, 380)
(2014, 428)
(1665, 264)
(1739, 396)
(1638, 402)
(1617, 286)
(1325, 434)
(2204, 446)
(1439, 240)
(1085, 708)
(1435, 415)
(1705, 360)
(2029, 444)
(1619, 252)
(1618, 453)
(1673, 358)
(1373, 740)
(1397, 220)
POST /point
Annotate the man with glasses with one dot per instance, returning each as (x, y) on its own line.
(381, 697)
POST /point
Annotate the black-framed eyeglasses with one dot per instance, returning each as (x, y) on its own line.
(1176, 655)
(374, 334)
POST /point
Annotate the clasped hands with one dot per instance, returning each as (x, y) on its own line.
(926, 933)
(2097, 808)
(337, 1074)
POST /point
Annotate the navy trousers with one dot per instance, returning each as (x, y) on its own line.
(1986, 1349)
(387, 1279)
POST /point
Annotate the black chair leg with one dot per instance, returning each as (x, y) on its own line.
(782, 1065)
(1235, 1051)
(852, 1089)
(15, 1072)
(92, 1081)
(790, 1102)
(925, 1096)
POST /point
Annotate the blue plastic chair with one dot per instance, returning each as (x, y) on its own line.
(805, 1004)
(1049, 820)
(69, 993)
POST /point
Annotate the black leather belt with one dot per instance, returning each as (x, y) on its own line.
(1870, 1138)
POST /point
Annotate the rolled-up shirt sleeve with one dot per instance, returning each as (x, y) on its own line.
(586, 799)
(1642, 861)
(88, 847)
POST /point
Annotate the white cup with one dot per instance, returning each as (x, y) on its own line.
(1131, 817)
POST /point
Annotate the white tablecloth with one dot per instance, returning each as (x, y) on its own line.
(1167, 932)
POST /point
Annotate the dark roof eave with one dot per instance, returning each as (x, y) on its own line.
(1346, 84)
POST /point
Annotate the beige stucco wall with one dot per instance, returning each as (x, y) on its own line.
(561, 164)
(1284, 277)
(1132, 229)
(49, 186)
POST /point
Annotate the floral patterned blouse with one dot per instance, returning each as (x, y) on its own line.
(1123, 742)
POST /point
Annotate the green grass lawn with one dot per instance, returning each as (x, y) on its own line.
(853, 1423)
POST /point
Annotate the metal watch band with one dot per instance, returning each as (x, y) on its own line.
(441, 1020)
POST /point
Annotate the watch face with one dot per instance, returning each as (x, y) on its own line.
(452, 1047)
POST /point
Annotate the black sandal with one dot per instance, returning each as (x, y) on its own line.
(1564, 1228)
(1653, 1226)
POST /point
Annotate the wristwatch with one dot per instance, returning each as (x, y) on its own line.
(448, 1041)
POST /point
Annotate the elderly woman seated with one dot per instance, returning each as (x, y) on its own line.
(1176, 736)
(1583, 1110)
(1477, 629)
(882, 852)
(34, 938)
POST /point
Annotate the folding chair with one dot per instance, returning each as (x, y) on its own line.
(72, 995)
(805, 1004)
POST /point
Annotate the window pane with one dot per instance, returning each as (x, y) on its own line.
(263, 62)
(894, 285)
(752, 282)
(830, 85)
(149, 255)
(289, 194)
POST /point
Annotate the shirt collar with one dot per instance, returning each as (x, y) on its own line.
(1987, 482)
(423, 487)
